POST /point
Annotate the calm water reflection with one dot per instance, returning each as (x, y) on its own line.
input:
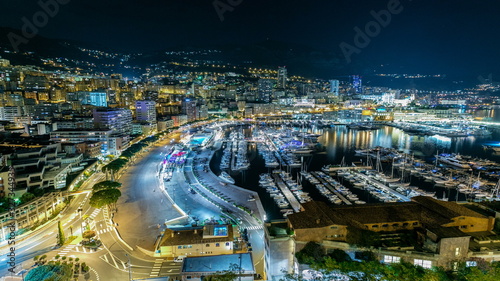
(492, 115)
(340, 142)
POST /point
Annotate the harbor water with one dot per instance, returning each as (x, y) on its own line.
(339, 143)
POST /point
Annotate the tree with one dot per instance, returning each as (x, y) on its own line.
(50, 272)
(311, 253)
(227, 275)
(60, 234)
(26, 197)
(106, 197)
(481, 272)
(403, 271)
(106, 185)
(339, 255)
(366, 256)
(376, 271)
(88, 234)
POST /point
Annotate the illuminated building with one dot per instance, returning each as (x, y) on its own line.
(282, 78)
(117, 119)
(145, 111)
(265, 90)
(334, 87)
(357, 84)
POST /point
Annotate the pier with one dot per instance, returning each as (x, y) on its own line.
(340, 168)
(294, 203)
(384, 188)
(331, 188)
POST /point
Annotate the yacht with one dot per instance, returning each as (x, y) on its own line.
(453, 160)
(492, 147)
(226, 177)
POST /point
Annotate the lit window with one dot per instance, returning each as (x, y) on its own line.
(470, 263)
(457, 252)
(391, 259)
(423, 263)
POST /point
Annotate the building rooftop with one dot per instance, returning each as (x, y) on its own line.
(219, 263)
(197, 235)
(427, 210)
(446, 209)
(447, 232)
(83, 130)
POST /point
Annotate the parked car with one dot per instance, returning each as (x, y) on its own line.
(179, 259)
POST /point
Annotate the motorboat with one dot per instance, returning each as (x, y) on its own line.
(226, 177)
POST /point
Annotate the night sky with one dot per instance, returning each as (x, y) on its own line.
(435, 35)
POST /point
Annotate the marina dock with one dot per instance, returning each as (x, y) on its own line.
(331, 188)
(339, 168)
(287, 193)
(384, 188)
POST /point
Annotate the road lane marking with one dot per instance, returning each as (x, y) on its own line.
(114, 261)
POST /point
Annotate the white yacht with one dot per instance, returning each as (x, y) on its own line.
(226, 177)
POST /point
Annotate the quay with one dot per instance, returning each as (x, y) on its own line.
(331, 188)
(294, 203)
(384, 188)
(335, 169)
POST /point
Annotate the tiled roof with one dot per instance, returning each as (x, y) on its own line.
(444, 208)
(447, 232)
(427, 210)
(377, 213)
(315, 214)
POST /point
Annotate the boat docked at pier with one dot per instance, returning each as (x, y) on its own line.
(226, 177)
(454, 160)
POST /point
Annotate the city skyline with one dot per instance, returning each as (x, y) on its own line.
(249, 140)
(454, 38)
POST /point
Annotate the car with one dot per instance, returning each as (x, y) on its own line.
(179, 259)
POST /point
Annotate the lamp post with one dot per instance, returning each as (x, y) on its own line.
(239, 269)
